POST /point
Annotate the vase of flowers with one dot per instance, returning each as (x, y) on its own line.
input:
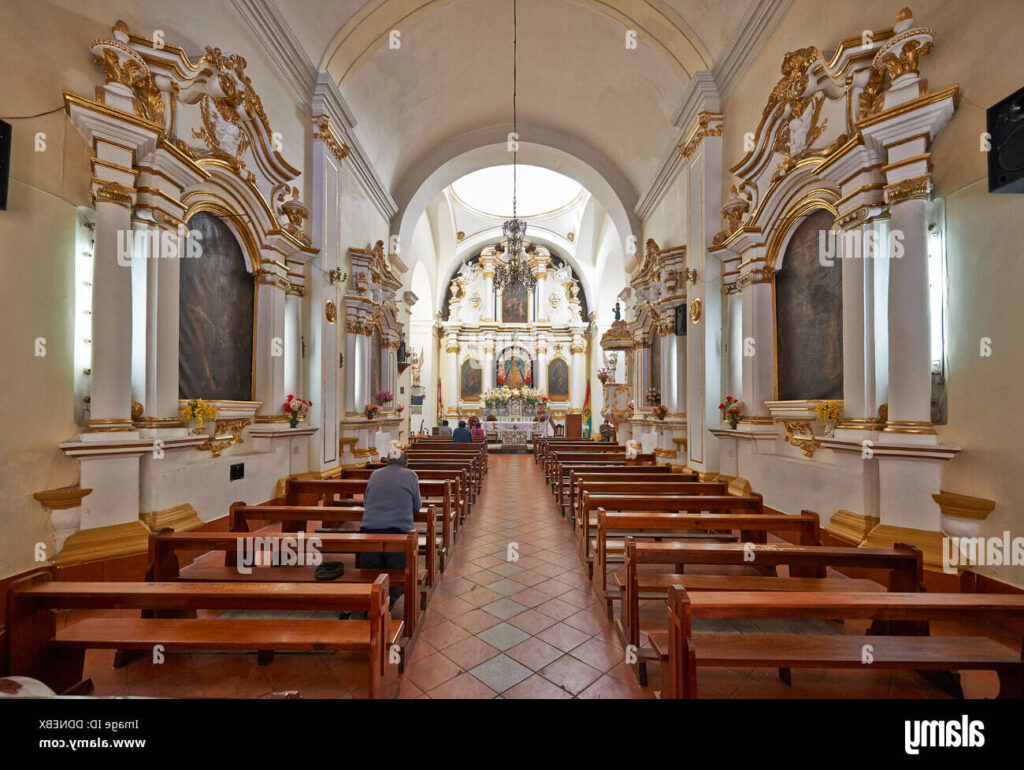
(828, 413)
(652, 397)
(731, 410)
(372, 410)
(296, 408)
(399, 409)
(384, 397)
(603, 375)
(660, 412)
(196, 412)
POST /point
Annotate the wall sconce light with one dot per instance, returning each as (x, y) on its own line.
(335, 275)
(690, 274)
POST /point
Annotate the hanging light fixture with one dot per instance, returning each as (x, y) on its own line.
(512, 268)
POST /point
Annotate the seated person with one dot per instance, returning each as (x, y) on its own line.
(607, 431)
(477, 428)
(390, 503)
(445, 429)
(462, 434)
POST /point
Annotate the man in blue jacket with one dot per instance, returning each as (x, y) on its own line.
(462, 434)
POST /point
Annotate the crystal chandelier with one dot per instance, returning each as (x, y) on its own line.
(512, 268)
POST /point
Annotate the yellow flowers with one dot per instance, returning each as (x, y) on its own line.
(198, 410)
(828, 410)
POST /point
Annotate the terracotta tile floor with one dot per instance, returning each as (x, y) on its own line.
(531, 627)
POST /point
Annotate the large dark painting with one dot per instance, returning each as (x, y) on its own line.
(215, 323)
(558, 380)
(471, 380)
(514, 304)
(809, 317)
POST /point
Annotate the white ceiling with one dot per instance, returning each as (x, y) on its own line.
(452, 75)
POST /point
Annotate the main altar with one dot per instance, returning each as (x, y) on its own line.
(516, 354)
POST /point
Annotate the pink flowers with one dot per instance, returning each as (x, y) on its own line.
(384, 397)
(296, 408)
(294, 404)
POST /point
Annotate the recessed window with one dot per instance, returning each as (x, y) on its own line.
(539, 191)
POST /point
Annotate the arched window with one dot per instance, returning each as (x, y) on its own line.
(809, 316)
(216, 302)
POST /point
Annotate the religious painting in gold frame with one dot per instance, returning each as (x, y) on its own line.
(471, 379)
(558, 380)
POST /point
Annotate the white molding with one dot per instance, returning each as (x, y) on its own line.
(271, 28)
(268, 24)
(755, 29)
(327, 100)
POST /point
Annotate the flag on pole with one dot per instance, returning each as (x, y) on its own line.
(586, 411)
(440, 403)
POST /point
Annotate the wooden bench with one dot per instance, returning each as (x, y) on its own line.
(938, 657)
(477, 458)
(599, 452)
(571, 477)
(327, 492)
(664, 526)
(676, 484)
(903, 569)
(39, 650)
(460, 479)
(418, 464)
(166, 544)
(671, 503)
(299, 516)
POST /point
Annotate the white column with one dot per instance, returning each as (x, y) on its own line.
(858, 266)
(269, 356)
(160, 398)
(488, 378)
(757, 350)
(293, 343)
(909, 336)
(541, 373)
(497, 305)
(451, 348)
(578, 372)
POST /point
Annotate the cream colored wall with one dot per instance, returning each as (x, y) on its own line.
(977, 46)
(43, 50)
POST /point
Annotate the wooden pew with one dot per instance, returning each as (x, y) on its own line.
(903, 566)
(299, 516)
(324, 491)
(460, 479)
(571, 477)
(454, 452)
(944, 655)
(598, 452)
(671, 503)
(56, 658)
(164, 565)
(660, 485)
(672, 525)
(417, 463)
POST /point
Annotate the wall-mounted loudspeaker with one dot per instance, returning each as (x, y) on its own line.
(5, 162)
(1006, 154)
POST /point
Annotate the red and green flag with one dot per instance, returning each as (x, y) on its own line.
(586, 411)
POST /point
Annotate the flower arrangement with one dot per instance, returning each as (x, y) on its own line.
(828, 412)
(400, 408)
(372, 410)
(296, 408)
(604, 375)
(195, 412)
(660, 411)
(652, 397)
(384, 397)
(504, 394)
(731, 410)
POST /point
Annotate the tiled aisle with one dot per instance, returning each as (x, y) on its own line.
(529, 628)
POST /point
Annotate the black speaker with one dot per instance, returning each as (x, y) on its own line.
(1005, 124)
(680, 320)
(5, 162)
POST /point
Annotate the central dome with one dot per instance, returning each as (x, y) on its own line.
(539, 190)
